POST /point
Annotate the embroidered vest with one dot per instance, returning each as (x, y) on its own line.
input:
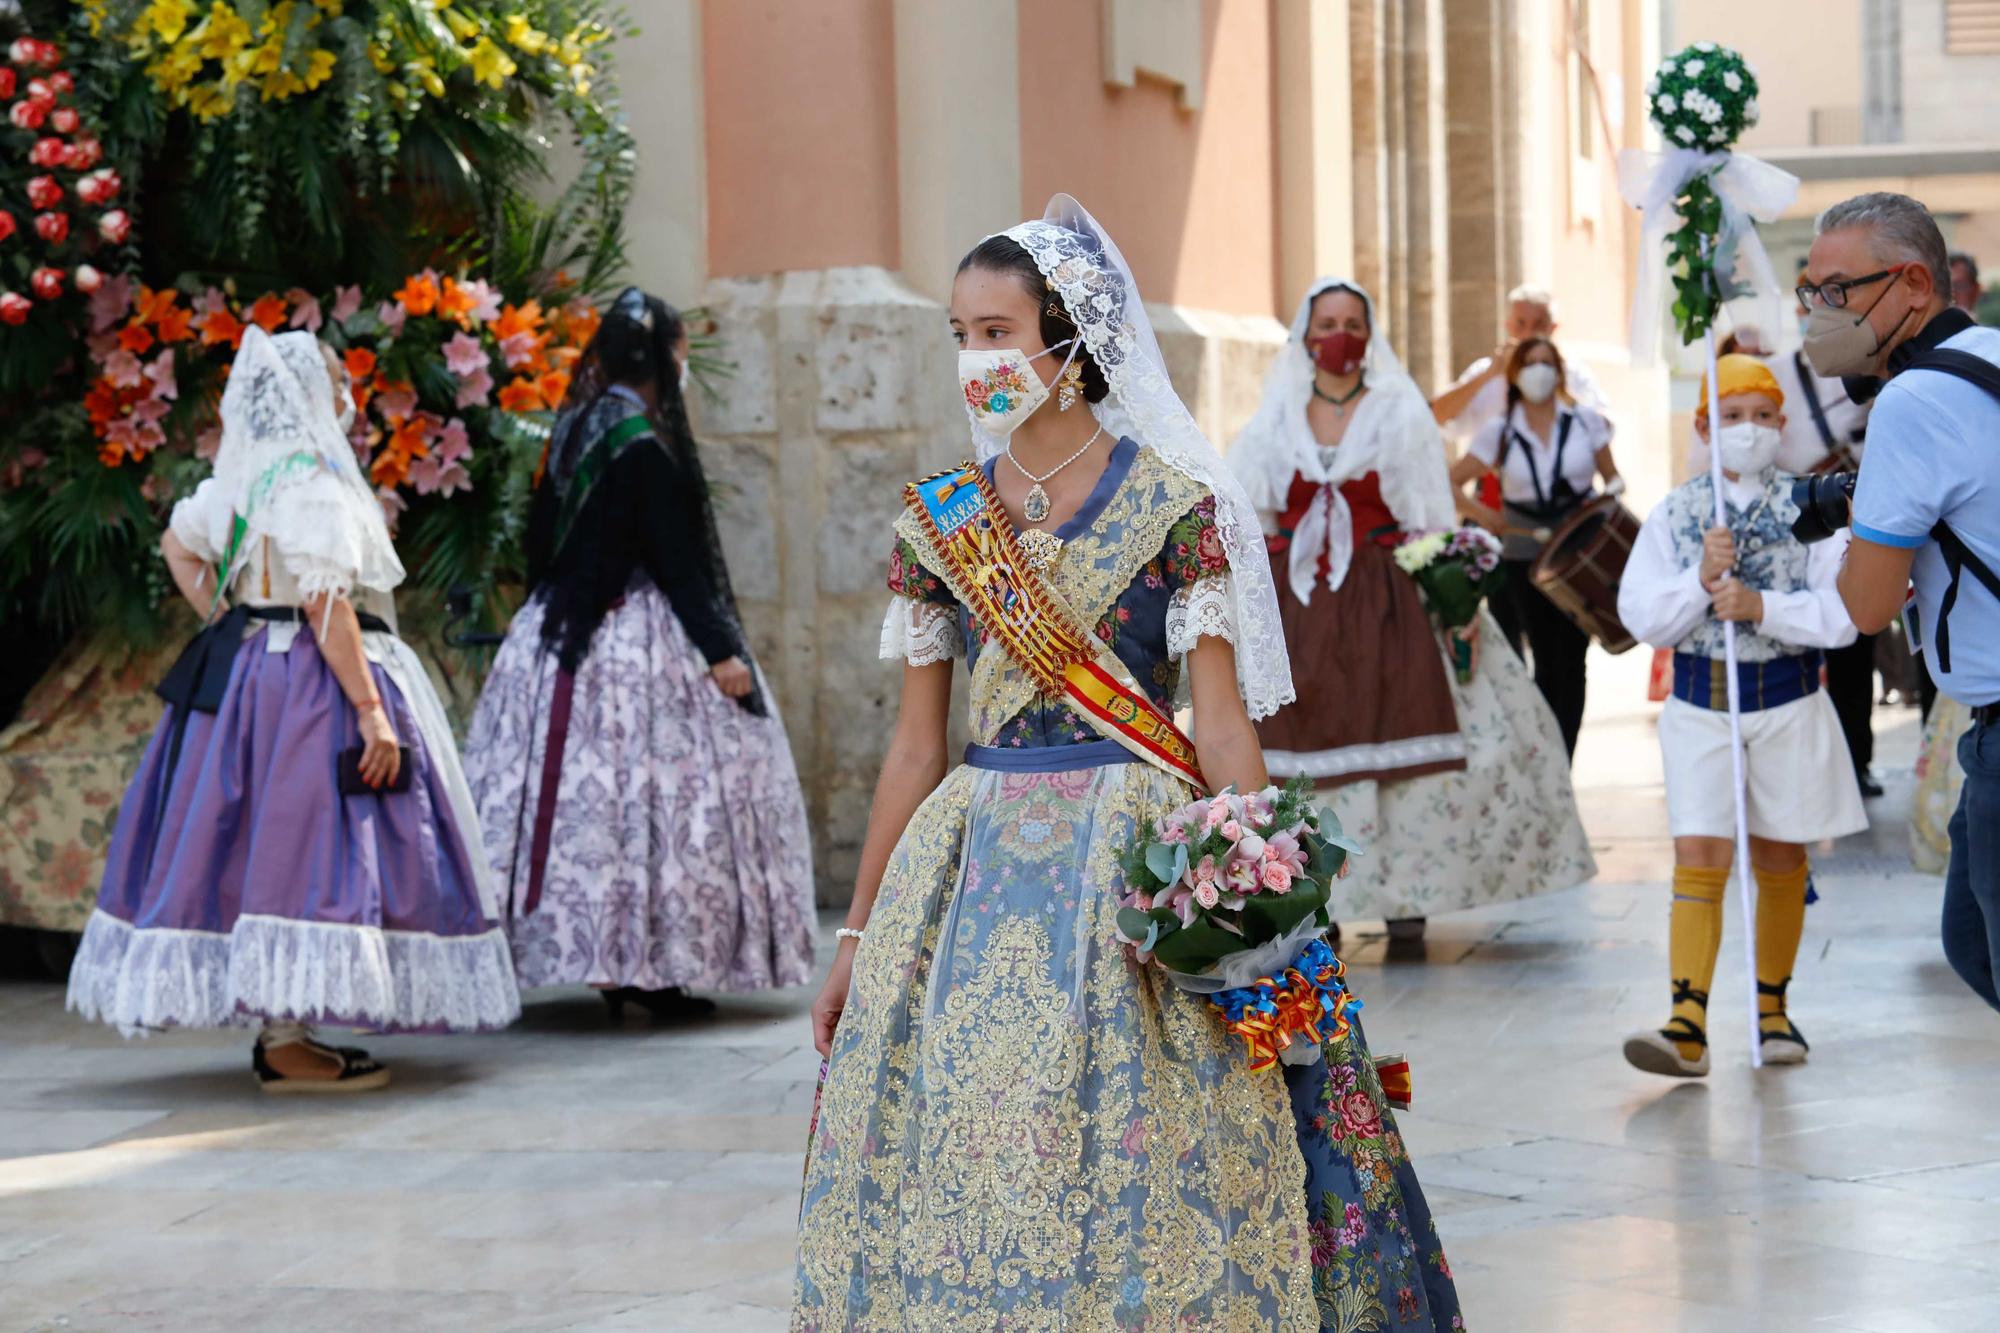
(1768, 557)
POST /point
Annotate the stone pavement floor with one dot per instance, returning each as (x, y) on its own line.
(569, 1175)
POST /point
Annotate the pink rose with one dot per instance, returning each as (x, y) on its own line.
(1359, 1116)
(1275, 876)
(1231, 830)
(1284, 847)
(1209, 550)
(1203, 871)
(115, 226)
(1207, 894)
(1174, 835)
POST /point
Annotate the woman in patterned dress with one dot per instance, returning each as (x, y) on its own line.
(632, 775)
(1460, 790)
(1020, 1128)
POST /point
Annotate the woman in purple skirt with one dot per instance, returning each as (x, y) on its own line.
(632, 775)
(299, 844)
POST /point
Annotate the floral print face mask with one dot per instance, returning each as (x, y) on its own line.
(1000, 389)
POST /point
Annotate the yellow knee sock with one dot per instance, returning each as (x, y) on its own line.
(1694, 935)
(1781, 920)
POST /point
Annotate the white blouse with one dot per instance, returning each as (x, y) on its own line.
(1531, 456)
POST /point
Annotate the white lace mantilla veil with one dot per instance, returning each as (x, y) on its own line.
(1083, 266)
(1393, 435)
(287, 470)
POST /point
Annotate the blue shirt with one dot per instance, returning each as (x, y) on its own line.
(1934, 453)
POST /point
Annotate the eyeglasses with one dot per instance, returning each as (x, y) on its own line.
(1834, 293)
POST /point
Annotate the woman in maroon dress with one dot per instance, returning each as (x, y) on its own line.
(1459, 789)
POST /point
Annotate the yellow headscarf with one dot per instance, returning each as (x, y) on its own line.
(1737, 373)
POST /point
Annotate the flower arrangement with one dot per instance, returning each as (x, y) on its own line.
(1456, 569)
(1702, 100)
(60, 209)
(304, 114)
(1228, 895)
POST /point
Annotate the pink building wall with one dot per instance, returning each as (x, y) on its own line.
(801, 134)
(1187, 194)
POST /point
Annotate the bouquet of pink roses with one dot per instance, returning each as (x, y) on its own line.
(1229, 896)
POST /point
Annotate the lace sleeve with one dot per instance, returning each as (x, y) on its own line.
(920, 633)
(1203, 607)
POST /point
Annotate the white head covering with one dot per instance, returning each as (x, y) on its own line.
(286, 469)
(1393, 435)
(1085, 269)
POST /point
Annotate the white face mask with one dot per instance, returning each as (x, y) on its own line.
(1001, 388)
(684, 378)
(1536, 382)
(1747, 448)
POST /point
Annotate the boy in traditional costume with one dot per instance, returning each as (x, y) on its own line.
(1686, 576)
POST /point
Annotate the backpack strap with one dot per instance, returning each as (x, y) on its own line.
(1959, 557)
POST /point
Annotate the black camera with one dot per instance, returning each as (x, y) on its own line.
(1825, 502)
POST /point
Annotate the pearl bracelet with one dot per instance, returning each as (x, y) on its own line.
(847, 933)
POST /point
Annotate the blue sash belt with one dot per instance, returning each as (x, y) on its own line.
(1704, 681)
(1048, 758)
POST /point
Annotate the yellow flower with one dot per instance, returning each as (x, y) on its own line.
(465, 29)
(276, 20)
(380, 59)
(221, 34)
(491, 65)
(319, 68)
(522, 37)
(172, 70)
(426, 74)
(208, 101)
(166, 19)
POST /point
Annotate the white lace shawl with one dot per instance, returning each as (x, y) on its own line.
(286, 468)
(1392, 435)
(1084, 267)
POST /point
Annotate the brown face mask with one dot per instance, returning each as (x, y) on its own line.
(1843, 342)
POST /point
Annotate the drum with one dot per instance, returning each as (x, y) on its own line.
(1579, 570)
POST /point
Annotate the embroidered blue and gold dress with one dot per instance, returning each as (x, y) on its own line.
(1020, 1129)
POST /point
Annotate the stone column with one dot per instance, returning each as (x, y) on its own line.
(1370, 173)
(844, 390)
(1473, 131)
(1426, 192)
(1315, 125)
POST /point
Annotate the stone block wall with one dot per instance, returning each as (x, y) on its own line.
(845, 387)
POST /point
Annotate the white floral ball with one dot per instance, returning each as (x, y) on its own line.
(1705, 95)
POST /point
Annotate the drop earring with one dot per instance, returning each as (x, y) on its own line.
(1069, 388)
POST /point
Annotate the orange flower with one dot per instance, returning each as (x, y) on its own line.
(360, 363)
(553, 386)
(153, 306)
(101, 402)
(268, 312)
(419, 296)
(580, 322)
(518, 319)
(521, 395)
(135, 339)
(111, 455)
(410, 438)
(219, 326)
(455, 303)
(176, 324)
(564, 358)
(389, 468)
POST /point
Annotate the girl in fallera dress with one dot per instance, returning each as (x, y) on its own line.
(298, 845)
(1459, 790)
(631, 771)
(1020, 1127)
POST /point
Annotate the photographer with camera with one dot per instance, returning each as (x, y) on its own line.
(1926, 505)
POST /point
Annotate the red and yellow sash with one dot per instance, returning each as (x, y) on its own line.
(961, 514)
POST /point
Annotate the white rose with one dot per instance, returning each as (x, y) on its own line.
(1684, 134)
(1711, 113)
(1718, 135)
(1667, 104)
(1732, 81)
(1750, 112)
(1704, 46)
(1694, 68)
(1750, 69)
(1652, 87)
(1667, 67)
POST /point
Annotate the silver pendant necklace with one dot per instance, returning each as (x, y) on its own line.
(1035, 507)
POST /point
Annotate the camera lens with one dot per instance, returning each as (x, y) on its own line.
(1825, 503)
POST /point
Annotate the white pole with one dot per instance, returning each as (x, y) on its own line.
(1746, 881)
